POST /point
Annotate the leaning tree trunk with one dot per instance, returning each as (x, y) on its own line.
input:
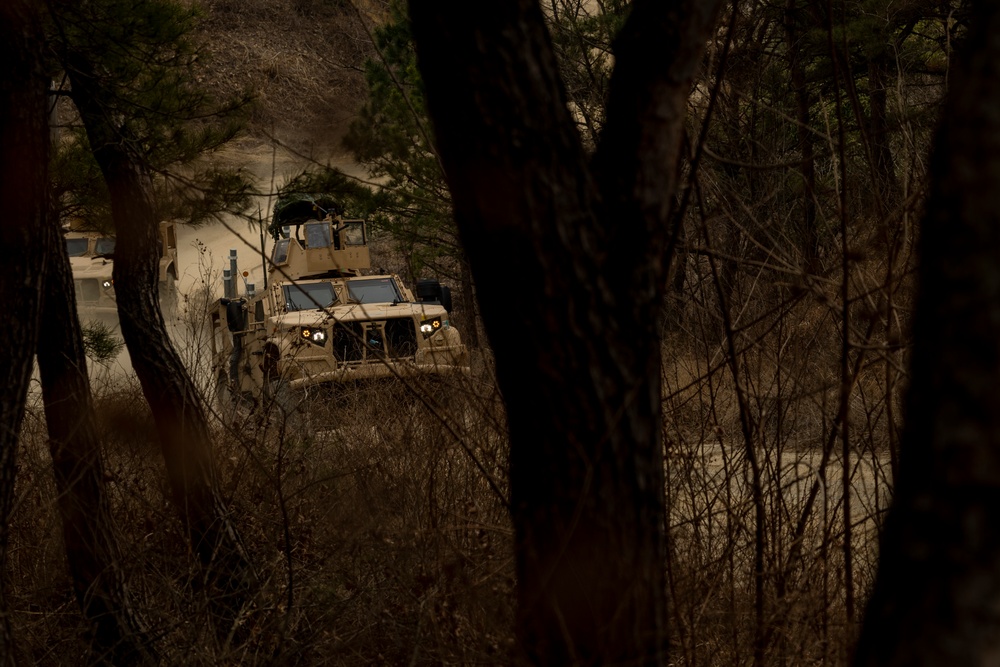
(568, 262)
(938, 581)
(185, 436)
(24, 154)
(91, 540)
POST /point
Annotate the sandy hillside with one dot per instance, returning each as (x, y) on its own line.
(302, 60)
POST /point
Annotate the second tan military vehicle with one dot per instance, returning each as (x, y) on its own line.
(91, 258)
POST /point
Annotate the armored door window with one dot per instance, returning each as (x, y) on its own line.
(318, 235)
(353, 233)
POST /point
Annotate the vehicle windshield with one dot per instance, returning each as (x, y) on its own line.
(76, 247)
(104, 246)
(374, 290)
(309, 296)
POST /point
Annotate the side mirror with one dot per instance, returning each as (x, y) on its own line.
(428, 291)
(432, 291)
(446, 298)
(236, 316)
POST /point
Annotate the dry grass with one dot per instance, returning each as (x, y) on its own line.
(376, 513)
(378, 537)
(376, 516)
(301, 58)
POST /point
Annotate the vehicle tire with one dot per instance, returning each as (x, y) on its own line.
(286, 408)
(225, 399)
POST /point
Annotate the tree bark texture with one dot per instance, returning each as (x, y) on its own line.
(24, 151)
(92, 548)
(567, 254)
(936, 599)
(810, 233)
(185, 436)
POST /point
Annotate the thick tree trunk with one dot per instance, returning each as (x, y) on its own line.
(470, 326)
(810, 231)
(24, 151)
(92, 550)
(570, 281)
(938, 582)
(185, 436)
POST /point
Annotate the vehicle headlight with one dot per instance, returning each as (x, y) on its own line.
(106, 284)
(315, 336)
(428, 327)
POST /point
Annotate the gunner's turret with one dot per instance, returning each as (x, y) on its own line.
(312, 240)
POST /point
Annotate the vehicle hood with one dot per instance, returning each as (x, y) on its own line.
(360, 312)
(90, 267)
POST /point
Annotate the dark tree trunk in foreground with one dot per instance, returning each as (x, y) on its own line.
(185, 436)
(92, 549)
(568, 257)
(936, 595)
(24, 151)
(800, 86)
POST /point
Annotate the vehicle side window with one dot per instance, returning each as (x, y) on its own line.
(353, 233)
(280, 254)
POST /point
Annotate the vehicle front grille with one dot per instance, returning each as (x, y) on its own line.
(348, 342)
(401, 337)
(357, 341)
(87, 290)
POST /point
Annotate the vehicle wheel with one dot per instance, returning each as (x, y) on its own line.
(225, 398)
(223, 392)
(286, 408)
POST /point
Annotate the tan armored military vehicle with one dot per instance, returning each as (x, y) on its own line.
(91, 256)
(320, 320)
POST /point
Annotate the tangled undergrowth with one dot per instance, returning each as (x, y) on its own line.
(377, 535)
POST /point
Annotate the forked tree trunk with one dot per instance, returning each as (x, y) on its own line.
(568, 262)
(24, 153)
(938, 581)
(92, 550)
(185, 436)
